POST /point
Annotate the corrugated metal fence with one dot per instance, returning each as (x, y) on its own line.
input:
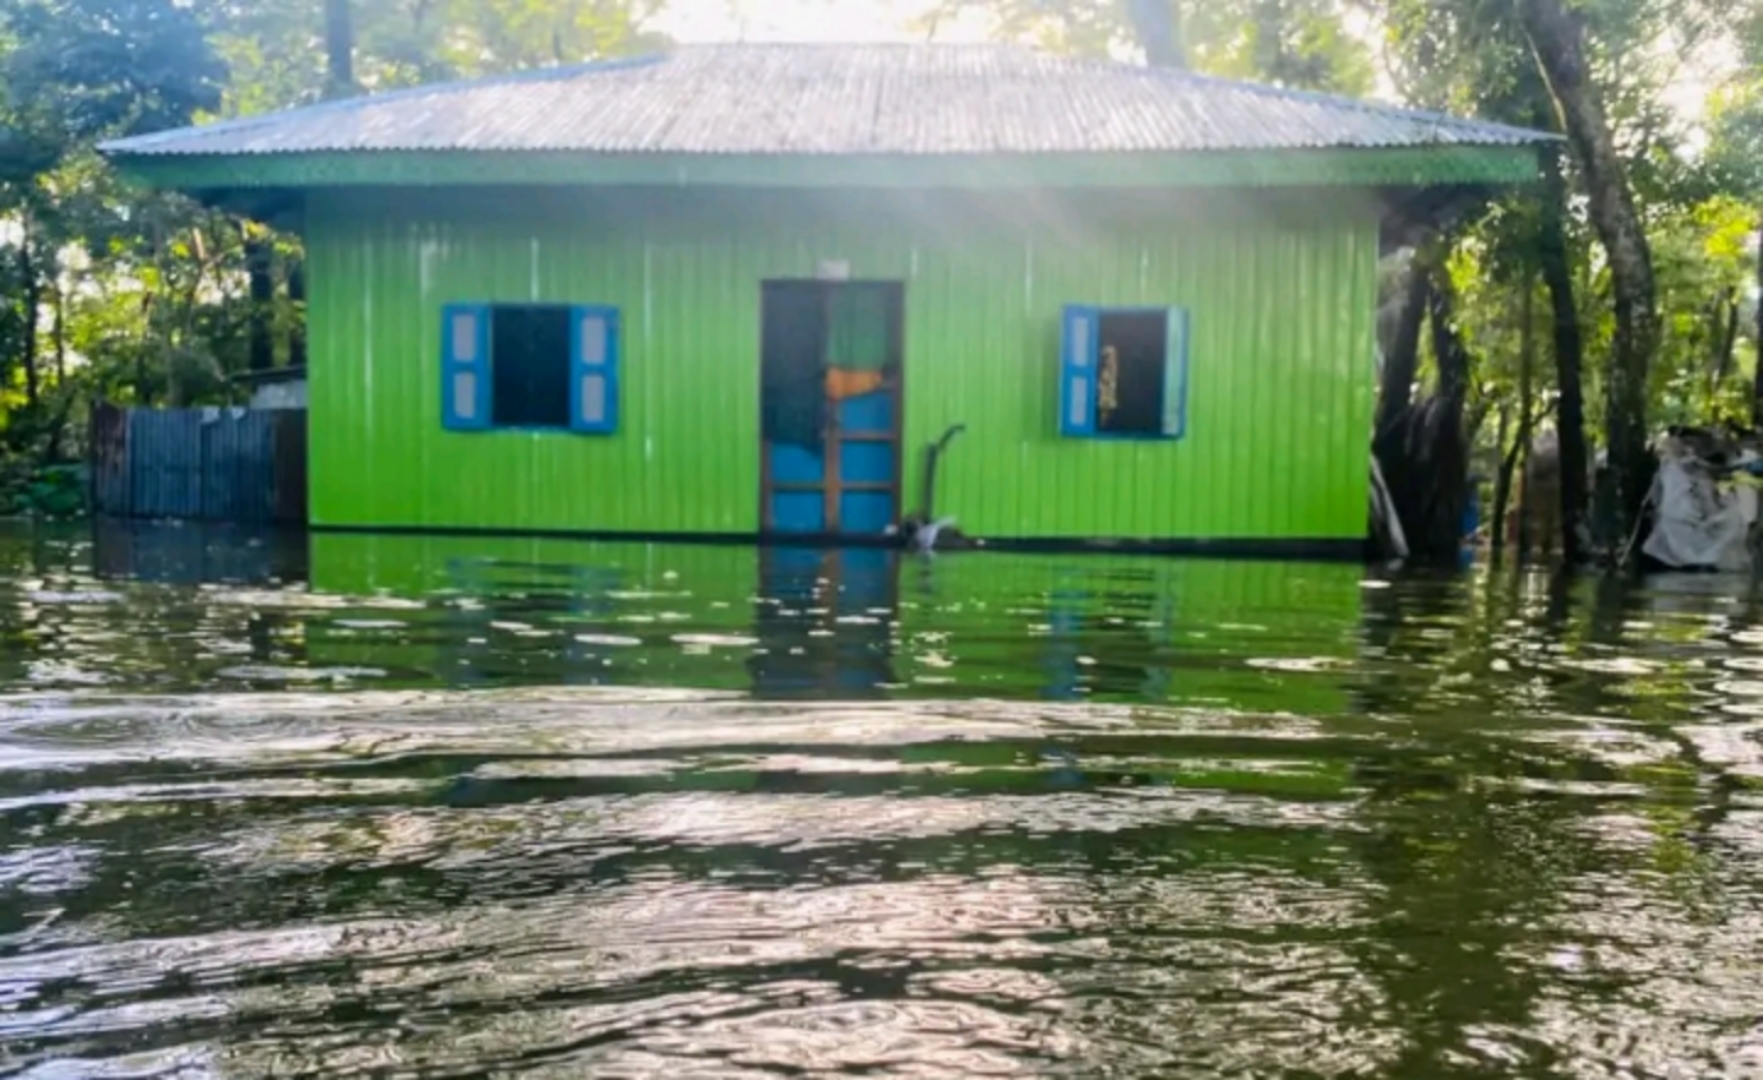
(213, 464)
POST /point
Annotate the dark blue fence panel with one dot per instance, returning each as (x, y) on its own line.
(165, 463)
(238, 470)
(212, 464)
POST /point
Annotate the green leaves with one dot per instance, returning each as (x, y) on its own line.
(1735, 143)
(1305, 44)
(276, 51)
(153, 285)
(108, 291)
(97, 68)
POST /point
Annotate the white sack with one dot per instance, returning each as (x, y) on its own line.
(1696, 525)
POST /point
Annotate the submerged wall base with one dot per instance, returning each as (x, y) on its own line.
(1309, 549)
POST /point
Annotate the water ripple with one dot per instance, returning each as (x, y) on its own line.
(437, 807)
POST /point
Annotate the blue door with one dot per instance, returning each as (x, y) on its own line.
(830, 363)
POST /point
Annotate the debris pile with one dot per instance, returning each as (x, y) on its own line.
(1704, 500)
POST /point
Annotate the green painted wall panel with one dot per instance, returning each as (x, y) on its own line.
(1282, 295)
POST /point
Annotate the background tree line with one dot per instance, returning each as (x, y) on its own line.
(109, 291)
(1614, 298)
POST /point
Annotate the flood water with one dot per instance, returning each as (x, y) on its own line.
(388, 806)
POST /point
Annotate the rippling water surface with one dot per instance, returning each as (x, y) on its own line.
(423, 807)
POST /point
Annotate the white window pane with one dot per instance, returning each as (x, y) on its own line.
(593, 333)
(1174, 374)
(593, 401)
(465, 405)
(465, 337)
(1080, 402)
(1080, 342)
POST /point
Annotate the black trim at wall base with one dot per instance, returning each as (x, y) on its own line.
(1292, 550)
(1309, 549)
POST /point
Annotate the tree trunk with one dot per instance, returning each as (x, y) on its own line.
(339, 49)
(1156, 24)
(297, 301)
(1473, 420)
(1401, 361)
(1451, 454)
(1425, 460)
(1757, 383)
(1502, 485)
(59, 333)
(1448, 351)
(1423, 451)
(258, 266)
(1526, 391)
(1559, 41)
(1726, 339)
(33, 301)
(1569, 348)
(1513, 462)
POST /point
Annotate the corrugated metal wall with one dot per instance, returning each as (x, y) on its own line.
(235, 465)
(1282, 295)
(165, 463)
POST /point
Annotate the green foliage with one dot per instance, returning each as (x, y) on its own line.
(1472, 56)
(59, 491)
(110, 67)
(56, 491)
(112, 292)
(1735, 142)
(1704, 260)
(109, 292)
(1297, 43)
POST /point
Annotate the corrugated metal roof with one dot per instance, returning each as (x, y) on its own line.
(836, 100)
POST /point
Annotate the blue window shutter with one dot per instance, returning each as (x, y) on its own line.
(1175, 375)
(1077, 372)
(594, 343)
(465, 367)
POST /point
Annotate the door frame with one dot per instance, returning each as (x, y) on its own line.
(830, 484)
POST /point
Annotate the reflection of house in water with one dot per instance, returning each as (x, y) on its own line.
(1132, 628)
(496, 598)
(195, 554)
(523, 611)
(198, 554)
(825, 622)
(832, 624)
(1110, 634)
(851, 624)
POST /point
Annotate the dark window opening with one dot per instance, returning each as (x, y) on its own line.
(1132, 351)
(529, 366)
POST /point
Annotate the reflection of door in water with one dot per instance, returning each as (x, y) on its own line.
(825, 622)
(830, 393)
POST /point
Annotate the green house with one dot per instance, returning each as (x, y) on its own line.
(737, 290)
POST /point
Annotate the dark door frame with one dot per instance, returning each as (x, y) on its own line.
(894, 383)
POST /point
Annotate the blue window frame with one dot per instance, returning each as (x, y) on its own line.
(530, 367)
(1123, 372)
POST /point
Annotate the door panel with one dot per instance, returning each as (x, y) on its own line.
(830, 389)
(799, 512)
